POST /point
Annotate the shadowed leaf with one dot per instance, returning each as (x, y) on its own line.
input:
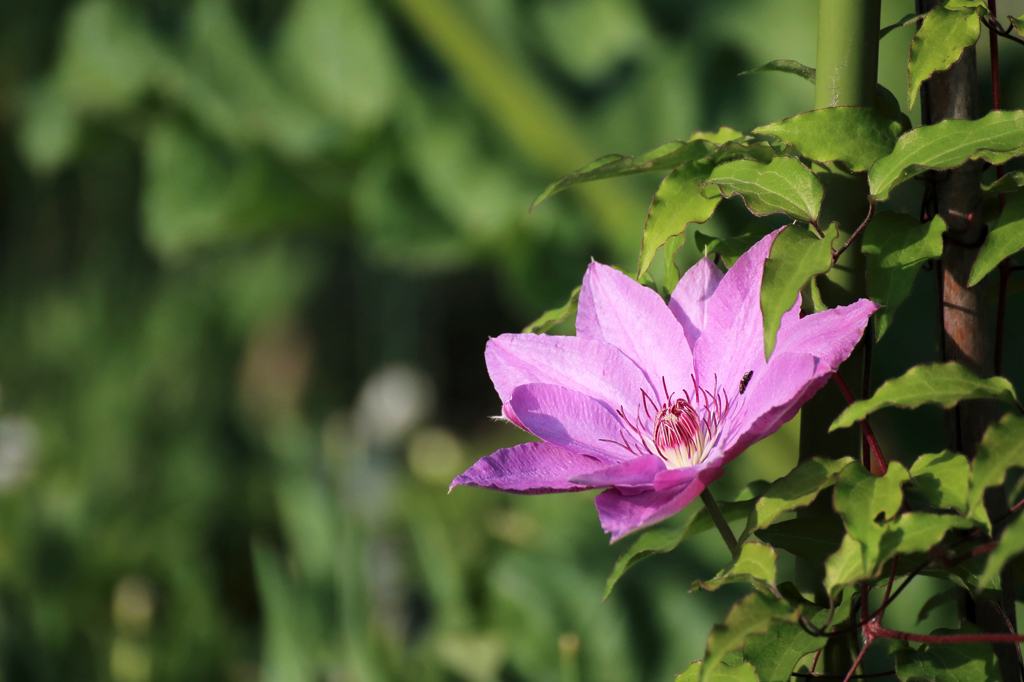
(938, 44)
(1005, 240)
(755, 564)
(796, 489)
(942, 478)
(1002, 447)
(856, 136)
(552, 317)
(753, 615)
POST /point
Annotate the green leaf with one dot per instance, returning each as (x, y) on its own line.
(905, 20)
(936, 600)
(918, 532)
(885, 102)
(942, 478)
(813, 538)
(797, 255)
(677, 203)
(742, 672)
(754, 564)
(662, 157)
(943, 384)
(856, 136)
(861, 497)
(733, 248)
(1018, 25)
(996, 137)
(845, 567)
(1001, 448)
(753, 615)
(1011, 543)
(662, 539)
(783, 186)
(896, 245)
(961, 662)
(796, 489)
(775, 653)
(672, 246)
(552, 317)
(1008, 184)
(938, 44)
(1005, 240)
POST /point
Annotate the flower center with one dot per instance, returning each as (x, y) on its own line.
(679, 430)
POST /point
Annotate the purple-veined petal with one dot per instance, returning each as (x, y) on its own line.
(622, 514)
(615, 309)
(670, 478)
(531, 468)
(690, 297)
(594, 368)
(629, 477)
(732, 342)
(570, 420)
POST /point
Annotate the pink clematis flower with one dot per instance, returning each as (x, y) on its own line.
(650, 400)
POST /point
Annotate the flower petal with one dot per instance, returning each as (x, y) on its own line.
(690, 297)
(629, 477)
(830, 335)
(593, 368)
(570, 420)
(531, 468)
(615, 309)
(622, 514)
(732, 342)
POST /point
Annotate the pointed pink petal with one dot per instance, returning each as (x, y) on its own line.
(732, 342)
(593, 368)
(690, 297)
(622, 514)
(530, 468)
(615, 309)
(670, 478)
(570, 420)
(830, 335)
(629, 477)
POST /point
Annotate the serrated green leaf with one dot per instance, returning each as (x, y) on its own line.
(861, 497)
(961, 662)
(733, 248)
(754, 564)
(1001, 448)
(753, 615)
(845, 567)
(1011, 543)
(943, 384)
(796, 489)
(797, 255)
(896, 245)
(918, 532)
(741, 672)
(996, 137)
(552, 317)
(942, 477)
(783, 186)
(938, 44)
(814, 538)
(856, 136)
(1005, 240)
(677, 203)
(662, 157)
(662, 539)
(775, 653)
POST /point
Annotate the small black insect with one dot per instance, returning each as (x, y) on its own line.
(745, 380)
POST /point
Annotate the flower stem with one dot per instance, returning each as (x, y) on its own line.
(719, 519)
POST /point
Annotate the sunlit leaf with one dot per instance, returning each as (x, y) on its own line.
(1008, 184)
(754, 564)
(938, 44)
(783, 186)
(741, 672)
(797, 255)
(752, 615)
(896, 245)
(794, 490)
(1002, 242)
(672, 275)
(775, 653)
(942, 478)
(552, 317)
(856, 136)
(1001, 448)
(943, 384)
(677, 203)
(1011, 543)
(663, 157)
(996, 137)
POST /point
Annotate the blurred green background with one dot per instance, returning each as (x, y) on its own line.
(250, 254)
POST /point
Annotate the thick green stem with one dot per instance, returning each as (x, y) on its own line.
(719, 519)
(847, 60)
